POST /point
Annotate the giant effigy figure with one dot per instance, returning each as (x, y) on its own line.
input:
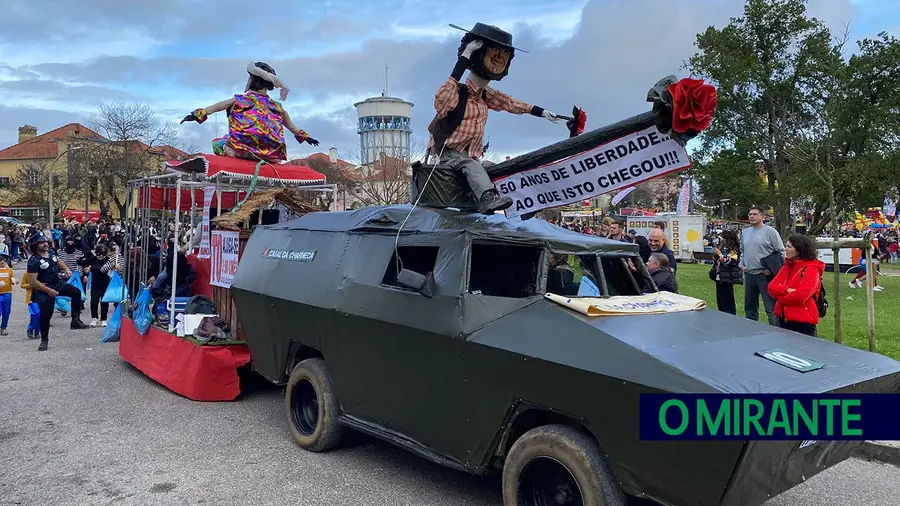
(457, 130)
(256, 122)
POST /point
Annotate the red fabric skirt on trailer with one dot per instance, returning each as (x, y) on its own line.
(200, 373)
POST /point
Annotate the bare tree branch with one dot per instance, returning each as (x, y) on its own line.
(388, 180)
(30, 183)
(130, 149)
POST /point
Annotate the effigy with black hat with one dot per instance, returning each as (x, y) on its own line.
(570, 172)
(256, 122)
(457, 130)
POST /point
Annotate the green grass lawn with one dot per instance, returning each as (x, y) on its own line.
(694, 281)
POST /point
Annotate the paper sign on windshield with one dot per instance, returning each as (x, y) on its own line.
(651, 303)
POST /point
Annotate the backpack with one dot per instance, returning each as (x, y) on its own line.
(821, 300)
(199, 304)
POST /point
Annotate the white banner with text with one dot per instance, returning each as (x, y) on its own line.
(626, 161)
(208, 193)
(225, 245)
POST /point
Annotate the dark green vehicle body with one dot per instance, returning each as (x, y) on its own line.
(458, 376)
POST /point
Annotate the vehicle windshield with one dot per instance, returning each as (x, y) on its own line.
(593, 276)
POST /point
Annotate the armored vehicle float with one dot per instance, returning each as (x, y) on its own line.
(430, 329)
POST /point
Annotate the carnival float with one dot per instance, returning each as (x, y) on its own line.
(436, 316)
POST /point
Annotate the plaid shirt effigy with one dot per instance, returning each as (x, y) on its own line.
(469, 136)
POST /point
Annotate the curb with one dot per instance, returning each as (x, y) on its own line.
(878, 451)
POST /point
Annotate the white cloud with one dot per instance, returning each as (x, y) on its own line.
(74, 51)
(601, 55)
(554, 27)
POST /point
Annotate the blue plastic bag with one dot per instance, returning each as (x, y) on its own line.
(113, 326)
(63, 304)
(116, 292)
(34, 322)
(75, 280)
(142, 315)
(90, 280)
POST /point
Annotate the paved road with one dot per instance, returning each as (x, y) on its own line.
(79, 426)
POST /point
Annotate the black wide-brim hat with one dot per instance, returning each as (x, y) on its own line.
(491, 33)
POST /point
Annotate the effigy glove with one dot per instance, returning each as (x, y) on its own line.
(198, 115)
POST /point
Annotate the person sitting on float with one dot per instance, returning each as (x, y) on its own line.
(457, 130)
(256, 122)
(161, 286)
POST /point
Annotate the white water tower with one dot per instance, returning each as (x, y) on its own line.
(384, 127)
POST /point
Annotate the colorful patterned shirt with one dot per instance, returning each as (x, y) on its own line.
(256, 126)
(469, 136)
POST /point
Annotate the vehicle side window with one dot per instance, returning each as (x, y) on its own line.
(572, 275)
(618, 278)
(421, 259)
(504, 270)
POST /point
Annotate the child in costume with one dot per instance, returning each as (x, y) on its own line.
(457, 130)
(7, 280)
(34, 322)
(256, 122)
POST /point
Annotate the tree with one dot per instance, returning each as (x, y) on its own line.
(336, 173)
(732, 175)
(388, 180)
(850, 142)
(131, 131)
(31, 183)
(769, 66)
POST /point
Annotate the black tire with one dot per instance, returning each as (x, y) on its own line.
(558, 465)
(312, 407)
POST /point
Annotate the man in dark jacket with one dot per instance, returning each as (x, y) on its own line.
(657, 240)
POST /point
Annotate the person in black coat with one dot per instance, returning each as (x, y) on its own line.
(162, 285)
(643, 246)
(726, 271)
(662, 275)
(93, 263)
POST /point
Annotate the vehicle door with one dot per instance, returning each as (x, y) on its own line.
(396, 355)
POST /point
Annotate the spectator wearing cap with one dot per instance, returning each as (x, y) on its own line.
(43, 269)
(643, 246)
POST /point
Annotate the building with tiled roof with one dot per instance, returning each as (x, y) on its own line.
(341, 173)
(47, 146)
(384, 181)
(53, 149)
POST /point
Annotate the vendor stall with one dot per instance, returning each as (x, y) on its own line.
(198, 355)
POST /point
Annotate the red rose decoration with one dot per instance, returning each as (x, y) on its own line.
(693, 105)
(577, 123)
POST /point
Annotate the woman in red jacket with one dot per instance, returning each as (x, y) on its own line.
(797, 285)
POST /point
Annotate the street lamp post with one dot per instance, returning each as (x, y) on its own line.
(50, 196)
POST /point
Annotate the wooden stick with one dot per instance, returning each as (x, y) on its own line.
(870, 298)
(835, 247)
(845, 244)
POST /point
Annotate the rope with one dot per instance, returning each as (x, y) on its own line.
(399, 264)
(252, 186)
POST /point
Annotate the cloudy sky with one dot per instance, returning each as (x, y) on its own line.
(177, 55)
